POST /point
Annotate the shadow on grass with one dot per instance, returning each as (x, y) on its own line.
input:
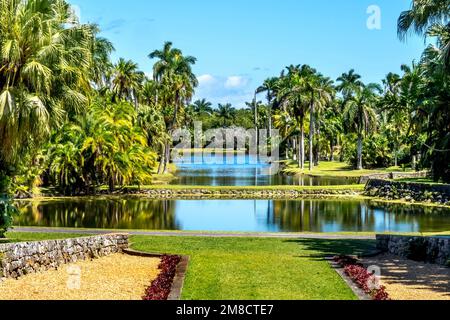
(322, 248)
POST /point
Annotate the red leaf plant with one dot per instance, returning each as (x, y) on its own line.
(362, 278)
(161, 286)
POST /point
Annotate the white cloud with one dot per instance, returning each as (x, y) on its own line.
(235, 82)
(206, 79)
(220, 89)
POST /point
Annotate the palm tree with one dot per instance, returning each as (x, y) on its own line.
(321, 92)
(269, 86)
(292, 98)
(101, 63)
(428, 18)
(202, 107)
(349, 83)
(422, 15)
(127, 80)
(226, 113)
(46, 59)
(360, 116)
(173, 71)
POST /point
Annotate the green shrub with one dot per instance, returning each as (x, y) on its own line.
(7, 211)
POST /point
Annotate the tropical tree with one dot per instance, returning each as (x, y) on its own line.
(360, 117)
(173, 71)
(46, 56)
(349, 83)
(105, 147)
(269, 87)
(226, 113)
(126, 81)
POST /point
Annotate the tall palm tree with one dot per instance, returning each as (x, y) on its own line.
(349, 83)
(173, 71)
(269, 87)
(318, 94)
(360, 117)
(292, 98)
(226, 113)
(127, 80)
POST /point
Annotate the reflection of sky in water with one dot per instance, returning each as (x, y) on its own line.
(240, 170)
(233, 215)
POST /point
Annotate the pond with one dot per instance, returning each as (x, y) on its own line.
(233, 215)
(242, 170)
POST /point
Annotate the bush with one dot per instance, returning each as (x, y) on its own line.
(362, 278)
(161, 286)
(7, 211)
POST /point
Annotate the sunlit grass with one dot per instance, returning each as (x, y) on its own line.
(258, 269)
(336, 169)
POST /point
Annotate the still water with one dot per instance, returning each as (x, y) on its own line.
(242, 170)
(233, 215)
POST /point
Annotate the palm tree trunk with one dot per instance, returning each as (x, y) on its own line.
(161, 162)
(331, 150)
(360, 142)
(311, 138)
(166, 158)
(270, 120)
(302, 144)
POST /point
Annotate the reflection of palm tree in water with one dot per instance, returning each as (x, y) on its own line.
(111, 213)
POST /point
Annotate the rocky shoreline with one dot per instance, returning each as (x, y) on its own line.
(408, 192)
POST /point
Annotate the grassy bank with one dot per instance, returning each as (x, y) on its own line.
(254, 269)
(39, 236)
(336, 170)
(354, 187)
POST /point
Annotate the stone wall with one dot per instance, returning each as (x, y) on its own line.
(194, 193)
(18, 259)
(394, 190)
(428, 249)
(394, 175)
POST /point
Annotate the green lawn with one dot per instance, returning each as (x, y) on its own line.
(352, 187)
(235, 268)
(39, 236)
(336, 169)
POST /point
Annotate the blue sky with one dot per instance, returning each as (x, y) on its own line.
(239, 43)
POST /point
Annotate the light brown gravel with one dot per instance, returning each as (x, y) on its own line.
(409, 280)
(116, 277)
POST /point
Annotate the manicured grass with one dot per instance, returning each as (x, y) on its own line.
(31, 236)
(419, 180)
(336, 169)
(250, 268)
(353, 187)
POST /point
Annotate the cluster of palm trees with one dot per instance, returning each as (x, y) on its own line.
(69, 116)
(73, 119)
(406, 120)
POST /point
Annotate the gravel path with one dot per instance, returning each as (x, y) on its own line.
(200, 234)
(410, 280)
(116, 277)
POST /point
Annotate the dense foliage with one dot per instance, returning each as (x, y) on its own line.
(74, 120)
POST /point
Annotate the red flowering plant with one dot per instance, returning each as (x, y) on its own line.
(365, 280)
